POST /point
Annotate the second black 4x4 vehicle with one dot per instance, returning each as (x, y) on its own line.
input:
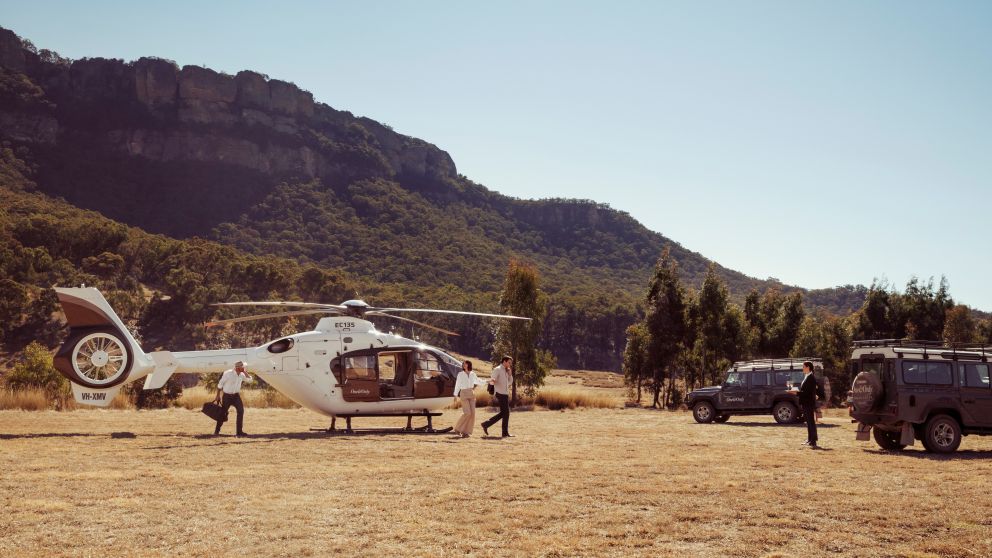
(920, 390)
(754, 387)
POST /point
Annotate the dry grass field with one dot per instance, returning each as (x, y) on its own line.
(597, 482)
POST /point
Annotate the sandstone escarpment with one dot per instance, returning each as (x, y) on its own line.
(154, 109)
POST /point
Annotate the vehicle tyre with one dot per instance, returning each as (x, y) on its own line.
(721, 418)
(785, 412)
(96, 358)
(942, 434)
(703, 412)
(887, 440)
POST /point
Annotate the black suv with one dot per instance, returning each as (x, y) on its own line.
(920, 390)
(754, 387)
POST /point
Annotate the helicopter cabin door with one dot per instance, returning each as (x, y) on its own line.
(360, 381)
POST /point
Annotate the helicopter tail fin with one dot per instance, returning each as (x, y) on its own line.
(100, 354)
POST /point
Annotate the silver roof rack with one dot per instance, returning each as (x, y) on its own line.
(791, 363)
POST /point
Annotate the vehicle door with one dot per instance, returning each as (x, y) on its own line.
(734, 391)
(361, 380)
(759, 392)
(976, 393)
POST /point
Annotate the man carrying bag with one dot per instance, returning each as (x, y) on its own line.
(229, 395)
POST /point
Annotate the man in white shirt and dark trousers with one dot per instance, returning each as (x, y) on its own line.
(501, 379)
(229, 387)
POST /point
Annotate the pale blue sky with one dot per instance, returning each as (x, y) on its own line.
(821, 143)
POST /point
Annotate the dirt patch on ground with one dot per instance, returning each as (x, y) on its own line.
(586, 482)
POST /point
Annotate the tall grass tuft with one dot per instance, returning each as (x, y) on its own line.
(555, 400)
(28, 399)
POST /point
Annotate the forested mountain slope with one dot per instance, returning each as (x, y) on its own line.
(258, 164)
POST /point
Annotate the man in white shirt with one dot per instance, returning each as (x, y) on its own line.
(501, 379)
(229, 387)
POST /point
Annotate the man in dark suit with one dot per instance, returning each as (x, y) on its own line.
(807, 400)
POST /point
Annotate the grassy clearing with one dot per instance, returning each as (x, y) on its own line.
(553, 399)
(597, 482)
(193, 398)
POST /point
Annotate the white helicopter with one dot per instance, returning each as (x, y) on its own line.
(344, 368)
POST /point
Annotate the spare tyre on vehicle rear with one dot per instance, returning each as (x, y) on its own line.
(867, 392)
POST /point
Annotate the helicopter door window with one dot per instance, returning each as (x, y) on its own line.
(359, 368)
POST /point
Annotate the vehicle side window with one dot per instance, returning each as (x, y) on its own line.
(914, 372)
(939, 373)
(974, 375)
(759, 378)
(933, 373)
(359, 368)
(736, 379)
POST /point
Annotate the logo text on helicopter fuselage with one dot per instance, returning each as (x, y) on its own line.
(344, 324)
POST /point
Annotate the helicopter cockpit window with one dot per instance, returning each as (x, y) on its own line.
(359, 368)
(337, 370)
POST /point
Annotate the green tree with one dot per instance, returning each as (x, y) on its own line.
(636, 363)
(828, 338)
(922, 309)
(13, 304)
(522, 296)
(711, 321)
(959, 326)
(666, 321)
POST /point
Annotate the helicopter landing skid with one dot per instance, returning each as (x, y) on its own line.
(408, 429)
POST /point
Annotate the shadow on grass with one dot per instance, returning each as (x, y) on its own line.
(732, 423)
(960, 455)
(54, 435)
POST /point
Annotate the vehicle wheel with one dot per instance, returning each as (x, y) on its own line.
(703, 412)
(785, 412)
(721, 418)
(942, 434)
(887, 439)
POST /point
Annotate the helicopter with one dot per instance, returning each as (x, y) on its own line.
(343, 368)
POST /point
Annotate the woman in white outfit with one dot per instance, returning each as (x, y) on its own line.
(465, 389)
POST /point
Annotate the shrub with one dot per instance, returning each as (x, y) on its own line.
(35, 371)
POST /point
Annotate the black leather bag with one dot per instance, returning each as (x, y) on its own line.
(491, 389)
(214, 411)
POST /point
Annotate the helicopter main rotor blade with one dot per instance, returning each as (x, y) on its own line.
(282, 304)
(266, 316)
(456, 312)
(422, 324)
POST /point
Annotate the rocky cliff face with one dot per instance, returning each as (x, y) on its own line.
(165, 113)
